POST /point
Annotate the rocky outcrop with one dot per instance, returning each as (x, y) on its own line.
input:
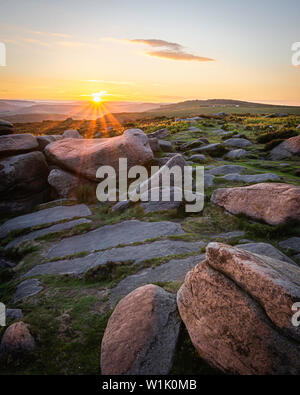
(237, 307)
(17, 341)
(141, 334)
(13, 144)
(23, 182)
(159, 134)
(273, 203)
(286, 149)
(71, 133)
(237, 142)
(43, 141)
(236, 154)
(84, 156)
(6, 127)
(66, 184)
(251, 178)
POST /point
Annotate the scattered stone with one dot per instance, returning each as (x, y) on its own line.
(141, 334)
(252, 178)
(208, 180)
(43, 217)
(273, 203)
(165, 146)
(167, 200)
(193, 129)
(193, 144)
(84, 156)
(13, 144)
(159, 134)
(121, 206)
(208, 148)
(17, 340)
(237, 142)
(221, 114)
(286, 149)
(226, 169)
(291, 244)
(13, 314)
(27, 288)
(230, 235)
(199, 158)
(154, 144)
(23, 182)
(112, 235)
(174, 270)
(236, 154)
(46, 231)
(265, 249)
(237, 309)
(71, 133)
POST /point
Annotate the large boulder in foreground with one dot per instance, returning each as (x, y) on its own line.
(13, 144)
(23, 182)
(274, 203)
(141, 334)
(237, 307)
(287, 148)
(6, 127)
(17, 341)
(85, 156)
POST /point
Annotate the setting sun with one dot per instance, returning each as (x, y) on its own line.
(97, 99)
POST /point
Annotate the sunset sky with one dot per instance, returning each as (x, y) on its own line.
(154, 51)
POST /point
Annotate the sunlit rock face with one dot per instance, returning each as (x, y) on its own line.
(85, 156)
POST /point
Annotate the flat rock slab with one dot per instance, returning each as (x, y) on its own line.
(107, 236)
(226, 169)
(174, 270)
(229, 235)
(27, 288)
(42, 217)
(237, 142)
(267, 250)
(135, 254)
(291, 244)
(45, 231)
(249, 178)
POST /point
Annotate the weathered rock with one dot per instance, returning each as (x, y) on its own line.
(13, 144)
(121, 206)
(193, 144)
(136, 254)
(236, 154)
(237, 309)
(17, 341)
(198, 158)
(154, 144)
(165, 146)
(287, 148)
(23, 182)
(13, 314)
(273, 203)
(5, 127)
(71, 133)
(208, 180)
(112, 235)
(43, 141)
(46, 231)
(237, 142)
(230, 235)
(226, 169)
(27, 288)
(292, 244)
(174, 270)
(85, 156)
(159, 134)
(43, 217)
(252, 178)
(66, 184)
(141, 334)
(267, 250)
(208, 148)
(167, 200)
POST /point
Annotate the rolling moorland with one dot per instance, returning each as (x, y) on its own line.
(64, 280)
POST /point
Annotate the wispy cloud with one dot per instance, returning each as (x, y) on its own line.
(169, 50)
(112, 82)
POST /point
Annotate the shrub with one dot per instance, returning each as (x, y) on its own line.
(85, 193)
(281, 134)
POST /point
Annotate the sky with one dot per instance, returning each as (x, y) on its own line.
(150, 51)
